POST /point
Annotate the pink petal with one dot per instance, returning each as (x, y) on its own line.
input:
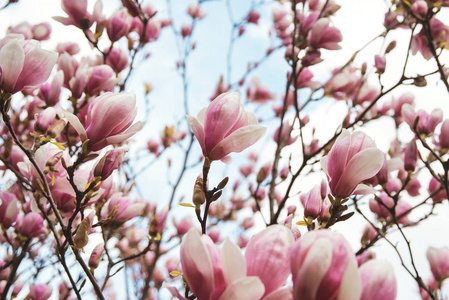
(363, 165)
(197, 265)
(11, 62)
(76, 124)
(126, 135)
(221, 116)
(237, 141)
(39, 64)
(337, 158)
(233, 262)
(284, 293)
(198, 131)
(312, 270)
(351, 284)
(268, 256)
(248, 288)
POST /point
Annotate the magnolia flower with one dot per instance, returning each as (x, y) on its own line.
(268, 256)
(324, 267)
(214, 274)
(426, 123)
(352, 159)
(324, 36)
(109, 120)
(8, 209)
(224, 127)
(439, 262)
(31, 225)
(378, 280)
(23, 64)
(40, 292)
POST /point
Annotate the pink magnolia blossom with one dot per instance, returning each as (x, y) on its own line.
(411, 156)
(95, 256)
(23, 64)
(186, 30)
(69, 48)
(427, 123)
(352, 159)
(378, 280)
(126, 208)
(324, 267)
(311, 202)
(40, 292)
(48, 158)
(64, 195)
(253, 17)
(8, 209)
(443, 138)
(44, 120)
(440, 34)
(31, 225)
(380, 63)
(377, 205)
(111, 161)
(268, 256)
(41, 32)
(77, 14)
(343, 83)
(217, 273)
(109, 120)
(117, 59)
(183, 226)
(439, 262)
(118, 25)
(324, 36)
(258, 93)
(195, 11)
(224, 127)
(221, 88)
(434, 185)
(286, 137)
(50, 92)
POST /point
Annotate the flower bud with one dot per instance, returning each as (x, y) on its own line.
(31, 225)
(111, 161)
(311, 202)
(186, 30)
(44, 120)
(95, 257)
(439, 262)
(198, 194)
(8, 209)
(81, 237)
(118, 25)
(411, 156)
(378, 280)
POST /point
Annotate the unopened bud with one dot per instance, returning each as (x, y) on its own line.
(216, 196)
(198, 194)
(56, 128)
(390, 47)
(153, 226)
(223, 183)
(81, 237)
(420, 81)
(95, 257)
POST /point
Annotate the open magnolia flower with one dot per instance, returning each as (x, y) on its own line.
(352, 159)
(109, 120)
(224, 127)
(23, 64)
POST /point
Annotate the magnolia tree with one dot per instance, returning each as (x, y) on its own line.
(100, 200)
